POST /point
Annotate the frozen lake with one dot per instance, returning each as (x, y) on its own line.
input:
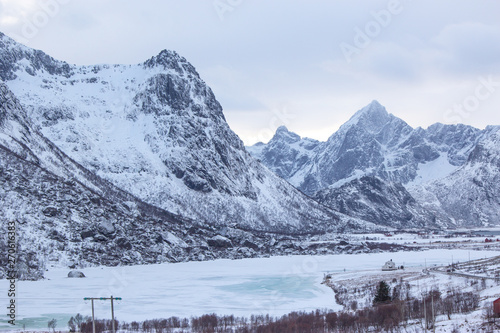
(274, 286)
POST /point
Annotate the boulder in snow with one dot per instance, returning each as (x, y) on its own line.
(76, 274)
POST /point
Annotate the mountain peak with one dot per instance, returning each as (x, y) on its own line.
(166, 56)
(171, 60)
(373, 109)
(16, 56)
(372, 117)
(181, 146)
(282, 129)
(375, 104)
(283, 134)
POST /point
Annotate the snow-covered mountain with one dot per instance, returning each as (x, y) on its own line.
(378, 168)
(381, 202)
(286, 153)
(471, 194)
(373, 142)
(64, 215)
(156, 131)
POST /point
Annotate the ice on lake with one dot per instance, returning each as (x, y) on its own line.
(275, 286)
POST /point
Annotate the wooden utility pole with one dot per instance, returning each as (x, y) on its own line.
(425, 315)
(112, 315)
(112, 309)
(432, 307)
(93, 322)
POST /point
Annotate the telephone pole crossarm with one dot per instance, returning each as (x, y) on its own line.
(91, 299)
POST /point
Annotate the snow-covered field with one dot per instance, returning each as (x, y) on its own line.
(275, 286)
(473, 237)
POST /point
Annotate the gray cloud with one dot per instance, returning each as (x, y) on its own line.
(470, 46)
(261, 55)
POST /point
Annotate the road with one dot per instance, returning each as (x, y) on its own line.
(483, 262)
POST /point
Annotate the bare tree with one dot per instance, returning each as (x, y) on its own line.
(72, 324)
(488, 313)
(52, 324)
(78, 321)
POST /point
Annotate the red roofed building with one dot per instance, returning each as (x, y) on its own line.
(496, 306)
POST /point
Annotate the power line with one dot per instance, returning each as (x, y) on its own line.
(112, 309)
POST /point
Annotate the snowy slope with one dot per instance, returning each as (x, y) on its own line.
(382, 202)
(470, 195)
(156, 130)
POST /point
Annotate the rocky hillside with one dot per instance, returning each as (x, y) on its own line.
(381, 202)
(74, 222)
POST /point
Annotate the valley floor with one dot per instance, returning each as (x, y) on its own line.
(274, 286)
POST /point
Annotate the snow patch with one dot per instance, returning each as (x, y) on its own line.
(433, 170)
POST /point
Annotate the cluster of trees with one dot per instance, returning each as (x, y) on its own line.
(387, 315)
(103, 325)
(430, 305)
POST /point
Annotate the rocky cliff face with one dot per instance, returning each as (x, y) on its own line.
(156, 131)
(378, 168)
(373, 142)
(384, 203)
(470, 195)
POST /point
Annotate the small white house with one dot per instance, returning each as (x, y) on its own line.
(389, 266)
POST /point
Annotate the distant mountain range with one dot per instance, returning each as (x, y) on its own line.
(378, 168)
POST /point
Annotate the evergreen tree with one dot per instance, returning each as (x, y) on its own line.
(383, 293)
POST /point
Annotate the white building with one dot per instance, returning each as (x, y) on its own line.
(389, 266)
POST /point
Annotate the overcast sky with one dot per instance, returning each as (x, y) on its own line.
(309, 65)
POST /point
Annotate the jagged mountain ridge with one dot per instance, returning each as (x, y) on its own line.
(156, 130)
(289, 152)
(373, 142)
(373, 153)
